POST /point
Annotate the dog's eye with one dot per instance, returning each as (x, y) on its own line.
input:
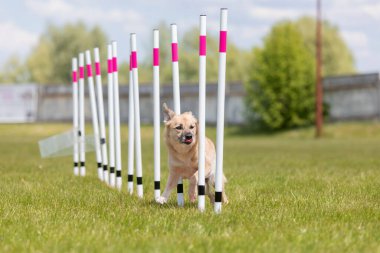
(191, 127)
(179, 127)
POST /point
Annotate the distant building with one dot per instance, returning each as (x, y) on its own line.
(352, 97)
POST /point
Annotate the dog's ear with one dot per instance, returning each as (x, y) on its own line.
(168, 113)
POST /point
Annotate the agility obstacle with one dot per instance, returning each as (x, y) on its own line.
(82, 144)
(136, 100)
(94, 113)
(202, 113)
(176, 96)
(111, 120)
(75, 116)
(156, 112)
(131, 123)
(103, 174)
(113, 158)
(115, 75)
(220, 111)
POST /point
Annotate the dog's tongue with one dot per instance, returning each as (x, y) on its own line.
(188, 140)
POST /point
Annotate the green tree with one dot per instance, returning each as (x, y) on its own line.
(50, 60)
(336, 56)
(14, 71)
(189, 59)
(236, 67)
(281, 83)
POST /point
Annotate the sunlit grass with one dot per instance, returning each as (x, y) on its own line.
(288, 193)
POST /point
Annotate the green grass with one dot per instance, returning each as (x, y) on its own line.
(288, 193)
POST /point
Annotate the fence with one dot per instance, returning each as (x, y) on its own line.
(353, 97)
(55, 102)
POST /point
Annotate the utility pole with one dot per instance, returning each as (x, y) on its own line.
(319, 88)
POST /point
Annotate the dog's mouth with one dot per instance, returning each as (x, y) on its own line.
(187, 139)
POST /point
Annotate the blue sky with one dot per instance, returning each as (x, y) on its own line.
(22, 21)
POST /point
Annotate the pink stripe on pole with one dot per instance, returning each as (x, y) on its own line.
(89, 70)
(109, 65)
(81, 72)
(174, 52)
(202, 45)
(75, 76)
(130, 62)
(134, 60)
(223, 41)
(114, 61)
(156, 57)
(97, 68)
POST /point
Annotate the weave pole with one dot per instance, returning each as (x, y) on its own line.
(75, 116)
(94, 112)
(202, 113)
(117, 115)
(220, 112)
(111, 120)
(131, 127)
(99, 92)
(82, 146)
(176, 97)
(156, 112)
(137, 116)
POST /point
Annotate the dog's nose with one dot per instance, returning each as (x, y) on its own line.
(188, 136)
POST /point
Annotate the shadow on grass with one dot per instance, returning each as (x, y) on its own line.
(170, 205)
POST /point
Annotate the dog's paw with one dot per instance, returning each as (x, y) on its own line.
(161, 200)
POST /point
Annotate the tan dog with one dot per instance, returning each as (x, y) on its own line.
(182, 142)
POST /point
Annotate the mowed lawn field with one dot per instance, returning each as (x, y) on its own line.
(288, 193)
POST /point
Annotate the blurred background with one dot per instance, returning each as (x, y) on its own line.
(270, 68)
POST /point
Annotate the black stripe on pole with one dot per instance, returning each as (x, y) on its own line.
(75, 164)
(201, 190)
(218, 196)
(139, 180)
(82, 164)
(179, 188)
(99, 165)
(112, 169)
(79, 133)
(130, 178)
(156, 185)
(118, 173)
(105, 167)
(102, 141)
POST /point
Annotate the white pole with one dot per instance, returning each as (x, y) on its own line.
(176, 97)
(94, 112)
(202, 113)
(117, 116)
(75, 116)
(137, 116)
(111, 120)
(81, 117)
(156, 110)
(99, 89)
(220, 113)
(131, 127)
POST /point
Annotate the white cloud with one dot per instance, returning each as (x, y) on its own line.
(266, 13)
(15, 39)
(358, 42)
(372, 10)
(358, 39)
(64, 11)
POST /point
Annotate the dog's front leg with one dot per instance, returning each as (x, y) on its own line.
(193, 187)
(172, 182)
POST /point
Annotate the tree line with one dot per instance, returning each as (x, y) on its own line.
(279, 75)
